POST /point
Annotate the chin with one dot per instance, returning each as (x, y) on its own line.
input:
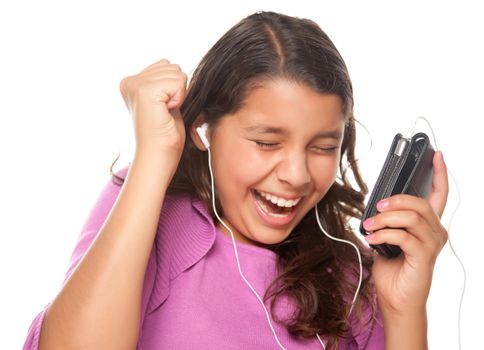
(270, 239)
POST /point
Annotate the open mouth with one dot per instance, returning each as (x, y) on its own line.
(275, 206)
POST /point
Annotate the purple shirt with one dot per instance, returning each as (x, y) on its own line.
(193, 294)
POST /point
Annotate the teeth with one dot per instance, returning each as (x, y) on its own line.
(280, 202)
(268, 212)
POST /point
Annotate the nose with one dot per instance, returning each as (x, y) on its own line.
(293, 169)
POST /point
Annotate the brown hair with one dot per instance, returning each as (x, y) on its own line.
(318, 274)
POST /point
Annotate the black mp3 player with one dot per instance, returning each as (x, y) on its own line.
(407, 169)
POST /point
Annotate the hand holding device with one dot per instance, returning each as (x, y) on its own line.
(407, 169)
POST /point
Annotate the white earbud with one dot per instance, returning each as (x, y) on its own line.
(202, 132)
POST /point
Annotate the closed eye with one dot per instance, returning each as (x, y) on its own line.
(318, 149)
(266, 145)
(328, 149)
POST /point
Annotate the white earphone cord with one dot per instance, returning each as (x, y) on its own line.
(448, 230)
(343, 241)
(238, 262)
(236, 254)
(347, 242)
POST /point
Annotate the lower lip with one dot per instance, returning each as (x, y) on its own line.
(272, 220)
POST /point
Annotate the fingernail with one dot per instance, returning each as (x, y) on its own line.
(368, 222)
(382, 204)
(369, 237)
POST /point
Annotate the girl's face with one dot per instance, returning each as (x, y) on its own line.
(275, 158)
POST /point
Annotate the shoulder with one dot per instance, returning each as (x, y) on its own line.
(183, 220)
(185, 234)
(103, 204)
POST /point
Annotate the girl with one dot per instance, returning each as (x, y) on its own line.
(171, 258)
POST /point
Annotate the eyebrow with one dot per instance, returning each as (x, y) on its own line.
(261, 130)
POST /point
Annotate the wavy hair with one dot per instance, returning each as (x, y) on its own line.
(318, 274)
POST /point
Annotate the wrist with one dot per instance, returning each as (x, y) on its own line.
(405, 330)
(156, 165)
(164, 158)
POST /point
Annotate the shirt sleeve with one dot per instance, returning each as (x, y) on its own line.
(95, 220)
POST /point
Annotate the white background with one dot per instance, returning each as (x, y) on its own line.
(63, 119)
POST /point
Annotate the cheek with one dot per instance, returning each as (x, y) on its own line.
(323, 172)
(240, 166)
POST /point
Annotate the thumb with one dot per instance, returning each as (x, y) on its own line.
(440, 185)
(177, 99)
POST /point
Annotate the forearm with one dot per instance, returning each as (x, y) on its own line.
(405, 331)
(99, 306)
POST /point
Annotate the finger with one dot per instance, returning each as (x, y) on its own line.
(177, 99)
(405, 202)
(160, 70)
(178, 92)
(409, 244)
(412, 222)
(182, 77)
(161, 62)
(440, 185)
(163, 89)
(402, 219)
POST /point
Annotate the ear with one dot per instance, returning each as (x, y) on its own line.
(194, 135)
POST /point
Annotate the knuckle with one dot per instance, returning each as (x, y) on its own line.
(181, 85)
(138, 85)
(414, 218)
(123, 83)
(427, 208)
(143, 88)
(405, 237)
(437, 241)
(126, 85)
(445, 236)
(398, 199)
